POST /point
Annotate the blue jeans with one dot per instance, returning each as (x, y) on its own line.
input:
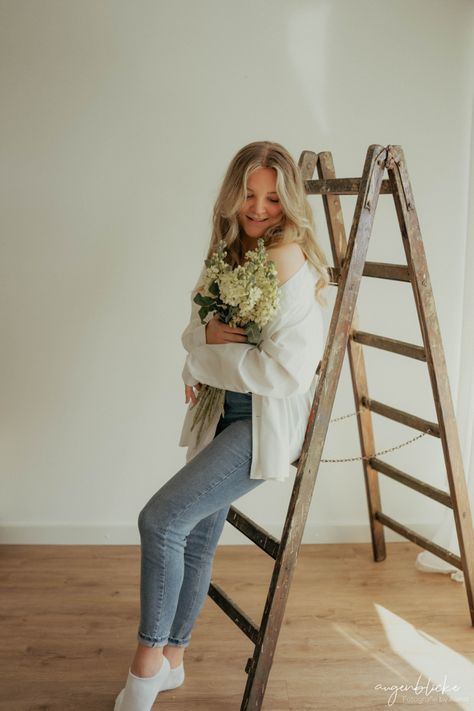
(181, 524)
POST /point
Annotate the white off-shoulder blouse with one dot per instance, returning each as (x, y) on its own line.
(281, 375)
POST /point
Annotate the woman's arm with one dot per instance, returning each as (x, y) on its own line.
(287, 359)
(288, 259)
(213, 331)
(284, 365)
(196, 334)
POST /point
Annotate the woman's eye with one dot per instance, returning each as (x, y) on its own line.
(270, 199)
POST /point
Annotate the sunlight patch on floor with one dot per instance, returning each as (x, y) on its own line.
(444, 673)
(440, 674)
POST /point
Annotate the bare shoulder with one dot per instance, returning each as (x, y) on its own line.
(288, 258)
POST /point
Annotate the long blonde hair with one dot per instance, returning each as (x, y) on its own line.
(297, 224)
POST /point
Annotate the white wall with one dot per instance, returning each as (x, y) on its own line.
(118, 121)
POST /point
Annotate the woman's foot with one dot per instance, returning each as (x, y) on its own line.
(175, 678)
(140, 692)
(147, 661)
(175, 657)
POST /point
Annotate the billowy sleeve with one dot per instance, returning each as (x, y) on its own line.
(195, 332)
(283, 365)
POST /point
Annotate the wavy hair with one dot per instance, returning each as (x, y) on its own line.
(297, 223)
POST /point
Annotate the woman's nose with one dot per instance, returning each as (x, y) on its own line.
(259, 206)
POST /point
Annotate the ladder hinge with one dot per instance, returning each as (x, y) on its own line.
(373, 180)
(395, 162)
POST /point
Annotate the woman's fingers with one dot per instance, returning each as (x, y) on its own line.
(235, 335)
(218, 332)
(190, 394)
(237, 338)
(235, 329)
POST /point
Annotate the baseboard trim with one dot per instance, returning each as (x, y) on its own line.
(127, 534)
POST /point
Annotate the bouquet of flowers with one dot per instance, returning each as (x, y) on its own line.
(246, 297)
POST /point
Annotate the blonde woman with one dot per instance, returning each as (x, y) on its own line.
(260, 432)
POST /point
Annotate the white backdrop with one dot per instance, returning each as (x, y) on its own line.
(118, 121)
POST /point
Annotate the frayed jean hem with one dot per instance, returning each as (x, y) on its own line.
(177, 642)
(161, 641)
(152, 642)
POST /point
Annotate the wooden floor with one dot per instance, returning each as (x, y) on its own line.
(69, 614)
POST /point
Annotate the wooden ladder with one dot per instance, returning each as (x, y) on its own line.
(349, 266)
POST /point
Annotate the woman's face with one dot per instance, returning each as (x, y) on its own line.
(261, 209)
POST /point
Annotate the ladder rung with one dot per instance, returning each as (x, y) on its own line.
(252, 530)
(419, 540)
(389, 344)
(405, 418)
(378, 270)
(340, 186)
(432, 491)
(232, 610)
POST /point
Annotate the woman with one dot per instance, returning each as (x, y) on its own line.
(268, 396)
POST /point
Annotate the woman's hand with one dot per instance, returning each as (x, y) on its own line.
(219, 332)
(190, 394)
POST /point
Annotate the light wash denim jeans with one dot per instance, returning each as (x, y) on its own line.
(181, 524)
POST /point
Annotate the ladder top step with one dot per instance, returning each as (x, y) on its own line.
(340, 186)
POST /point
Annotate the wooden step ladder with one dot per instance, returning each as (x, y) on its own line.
(349, 266)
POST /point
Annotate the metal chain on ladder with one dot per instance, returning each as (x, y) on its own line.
(382, 451)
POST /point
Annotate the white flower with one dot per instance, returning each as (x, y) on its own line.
(251, 290)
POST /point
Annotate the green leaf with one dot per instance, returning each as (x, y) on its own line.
(253, 332)
(214, 288)
(203, 311)
(204, 300)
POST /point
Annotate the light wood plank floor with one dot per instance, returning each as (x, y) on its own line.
(69, 614)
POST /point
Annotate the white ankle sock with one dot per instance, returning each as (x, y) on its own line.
(140, 693)
(175, 678)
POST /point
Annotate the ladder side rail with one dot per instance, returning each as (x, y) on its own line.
(318, 421)
(429, 325)
(358, 371)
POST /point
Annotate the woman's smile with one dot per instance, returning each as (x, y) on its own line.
(261, 208)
